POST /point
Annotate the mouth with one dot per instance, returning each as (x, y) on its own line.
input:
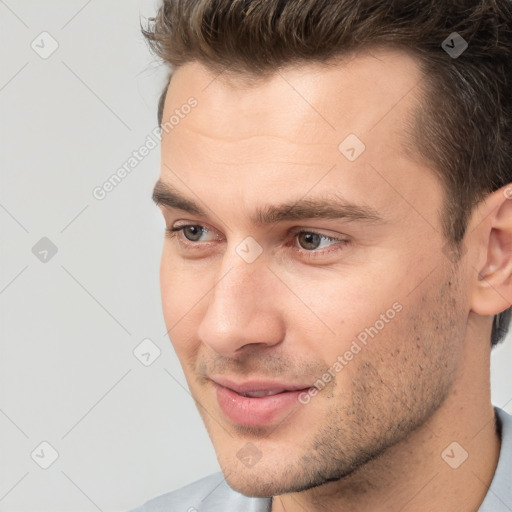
(260, 394)
(257, 403)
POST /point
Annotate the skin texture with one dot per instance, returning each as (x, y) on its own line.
(372, 438)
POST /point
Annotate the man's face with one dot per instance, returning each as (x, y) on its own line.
(362, 306)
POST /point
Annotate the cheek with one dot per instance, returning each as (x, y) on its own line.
(366, 318)
(182, 286)
(347, 305)
(169, 282)
(181, 294)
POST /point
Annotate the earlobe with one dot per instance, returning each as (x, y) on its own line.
(492, 292)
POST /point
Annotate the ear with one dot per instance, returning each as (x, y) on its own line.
(492, 291)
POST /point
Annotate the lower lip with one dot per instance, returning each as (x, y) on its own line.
(256, 412)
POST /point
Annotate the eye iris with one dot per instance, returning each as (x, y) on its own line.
(196, 232)
(310, 239)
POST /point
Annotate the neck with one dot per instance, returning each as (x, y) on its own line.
(427, 470)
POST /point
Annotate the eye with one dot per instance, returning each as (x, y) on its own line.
(311, 245)
(308, 244)
(311, 241)
(191, 232)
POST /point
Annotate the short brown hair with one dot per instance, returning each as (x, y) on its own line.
(464, 126)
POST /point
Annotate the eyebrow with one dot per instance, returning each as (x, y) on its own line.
(330, 207)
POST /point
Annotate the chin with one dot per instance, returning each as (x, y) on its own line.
(249, 485)
(262, 483)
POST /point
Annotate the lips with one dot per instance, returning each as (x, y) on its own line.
(260, 394)
(258, 386)
(257, 403)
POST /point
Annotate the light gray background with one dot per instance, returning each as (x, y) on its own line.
(124, 432)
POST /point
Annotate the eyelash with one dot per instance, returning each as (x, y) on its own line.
(308, 254)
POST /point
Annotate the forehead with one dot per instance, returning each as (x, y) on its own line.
(283, 133)
(355, 92)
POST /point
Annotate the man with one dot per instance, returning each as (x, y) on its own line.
(336, 186)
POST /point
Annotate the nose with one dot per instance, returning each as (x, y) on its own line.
(242, 308)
